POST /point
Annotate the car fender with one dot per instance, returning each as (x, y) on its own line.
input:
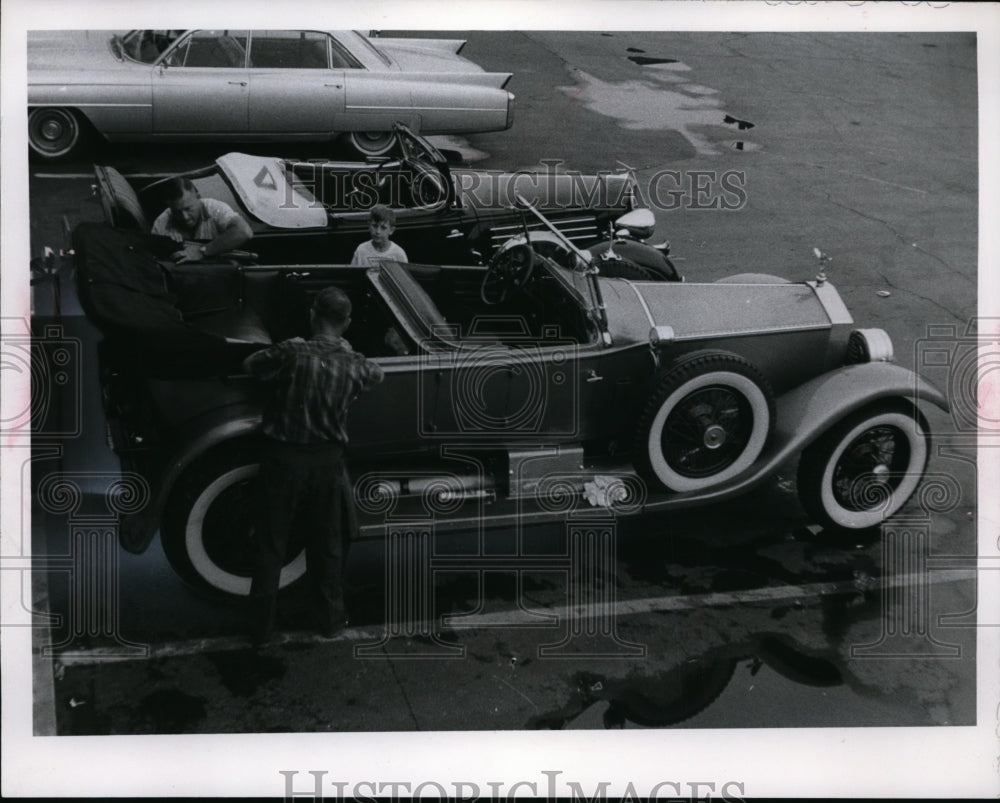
(219, 426)
(809, 410)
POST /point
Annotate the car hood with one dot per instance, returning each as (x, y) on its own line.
(426, 55)
(735, 309)
(49, 50)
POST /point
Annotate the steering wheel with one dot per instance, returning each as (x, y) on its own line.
(509, 270)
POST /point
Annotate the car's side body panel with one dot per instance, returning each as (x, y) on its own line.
(489, 404)
(423, 84)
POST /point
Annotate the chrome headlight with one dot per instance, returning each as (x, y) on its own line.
(869, 345)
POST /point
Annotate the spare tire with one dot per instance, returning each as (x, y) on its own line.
(707, 420)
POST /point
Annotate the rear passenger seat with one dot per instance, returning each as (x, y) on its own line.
(127, 292)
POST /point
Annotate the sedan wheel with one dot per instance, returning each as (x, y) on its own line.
(372, 143)
(706, 421)
(208, 532)
(865, 469)
(54, 133)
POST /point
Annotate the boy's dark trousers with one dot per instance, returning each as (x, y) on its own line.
(304, 491)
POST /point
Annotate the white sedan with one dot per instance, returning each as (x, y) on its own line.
(238, 85)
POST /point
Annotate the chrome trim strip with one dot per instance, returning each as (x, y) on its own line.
(645, 306)
(95, 105)
(353, 107)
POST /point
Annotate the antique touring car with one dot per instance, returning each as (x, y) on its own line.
(317, 211)
(239, 85)
(516, 393)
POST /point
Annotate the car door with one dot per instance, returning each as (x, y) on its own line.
(293, 88)
(502, 383)
(201, 85)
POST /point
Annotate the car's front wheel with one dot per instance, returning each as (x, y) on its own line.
(211, 517)
(707, 420)
(866, 467)
(372, 143)
(55, 133)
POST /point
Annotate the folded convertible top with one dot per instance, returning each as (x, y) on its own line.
(124, 288)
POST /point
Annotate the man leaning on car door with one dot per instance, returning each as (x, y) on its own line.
(189, 217)
(303, 476)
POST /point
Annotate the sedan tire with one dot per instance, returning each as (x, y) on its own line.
(706, 421)
(372, 143)
(55, 133)
(208, 528)
(865, 469)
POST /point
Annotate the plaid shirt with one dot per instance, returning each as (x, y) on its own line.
(314, 382)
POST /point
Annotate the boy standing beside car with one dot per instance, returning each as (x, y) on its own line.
(302, 474)
(381, 225)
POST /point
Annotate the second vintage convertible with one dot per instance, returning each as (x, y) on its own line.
(516, 393)
(239, 85)
(311, 211)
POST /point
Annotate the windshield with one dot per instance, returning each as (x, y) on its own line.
(147, 46)
(417, 148)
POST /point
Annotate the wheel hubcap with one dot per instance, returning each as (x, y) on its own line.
(715, 436)
(707, 431)
(870, 469)
(52, 129)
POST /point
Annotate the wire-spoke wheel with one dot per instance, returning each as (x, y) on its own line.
(865, 469)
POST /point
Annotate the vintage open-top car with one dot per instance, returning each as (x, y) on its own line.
(516, 393)
(237, 85)
(316, 211)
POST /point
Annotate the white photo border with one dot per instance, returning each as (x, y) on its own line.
(841, 762)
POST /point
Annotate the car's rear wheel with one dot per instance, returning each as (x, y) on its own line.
(372, 143)
(208, 529)
(866, 467)
(55, 133)
(706, 421)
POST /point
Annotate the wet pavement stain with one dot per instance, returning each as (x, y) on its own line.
(646, 61)
(689, 564)
(743, 125)
(171, 710)
(244, 671)
(796, 664)
(653, 701)
(649, 105)
(678, 694)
